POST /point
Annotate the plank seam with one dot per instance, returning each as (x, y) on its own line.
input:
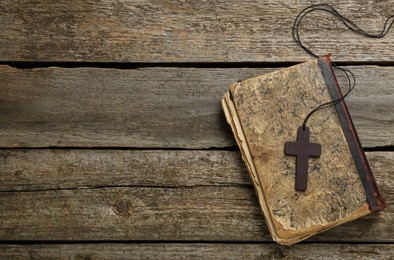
(54, 242)
(201, 65)
(226, 185)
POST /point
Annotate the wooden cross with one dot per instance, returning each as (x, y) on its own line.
(302, 149)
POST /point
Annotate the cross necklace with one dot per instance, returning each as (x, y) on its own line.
(302, 148)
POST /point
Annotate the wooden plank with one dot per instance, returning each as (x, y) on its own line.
(197, 251)
(29, 170)
(209, 201)
(154, 107)
(185, 31)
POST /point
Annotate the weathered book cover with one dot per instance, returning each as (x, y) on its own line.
(264, 112)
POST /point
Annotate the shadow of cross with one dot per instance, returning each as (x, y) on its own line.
(302, 149)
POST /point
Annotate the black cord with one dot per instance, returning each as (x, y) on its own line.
(351, 26)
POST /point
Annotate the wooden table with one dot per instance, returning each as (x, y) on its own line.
(114, 144)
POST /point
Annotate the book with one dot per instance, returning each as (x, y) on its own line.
(264, 113)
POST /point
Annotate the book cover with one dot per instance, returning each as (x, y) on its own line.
(264, 113)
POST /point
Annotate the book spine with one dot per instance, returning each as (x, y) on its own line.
(375, 201)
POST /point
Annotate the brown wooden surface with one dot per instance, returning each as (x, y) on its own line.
(94, 159)
(154, 107)
(197, 251)
(151, 195)
(185, 31)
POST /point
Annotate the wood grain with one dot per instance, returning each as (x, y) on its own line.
(174, 198)
(197, 251)
(186, 31)
(37, 169)
(208, 206)
(154, 107)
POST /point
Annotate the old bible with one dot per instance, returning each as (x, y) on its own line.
(264, 113)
